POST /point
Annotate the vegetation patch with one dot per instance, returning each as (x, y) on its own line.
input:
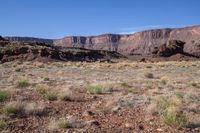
(95, 89)
(149, 75)
(22, 83)
(174, 118)
(14, 108)
(64, 123)
(162, 103)
(4, 95)
(3, 125)
(179, 94)
(51, 95)
(163, 82)
(125, 85)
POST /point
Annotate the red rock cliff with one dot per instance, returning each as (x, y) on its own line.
(141, 43)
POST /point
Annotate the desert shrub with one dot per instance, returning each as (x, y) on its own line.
(51, 95)
(170, 115)
(148, 66)
(174, 118)
(3, 125)
(179, 94)
(95, 90)
(63, 124)
(14, 108)
(125, 85)
(192, 84)
(17, 69)
(149, 85)
(163, 82)
(130, 90)
(40, 65)
(162, 103)
(22, 83)
(41, 89)
(149, 75)
(4, 95)
(34, 108)
(46, 79)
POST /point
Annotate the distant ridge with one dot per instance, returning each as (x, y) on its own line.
(145, 43)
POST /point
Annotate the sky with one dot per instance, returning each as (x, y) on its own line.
(59, 18)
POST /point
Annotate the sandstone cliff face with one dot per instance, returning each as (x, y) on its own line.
(139, 44)
(29, 39)
(29, 51)
(102, 42)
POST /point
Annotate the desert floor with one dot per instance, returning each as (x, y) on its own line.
(100, 97)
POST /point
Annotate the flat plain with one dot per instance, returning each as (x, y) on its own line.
(124, 96)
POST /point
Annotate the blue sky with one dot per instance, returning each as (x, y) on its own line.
(59, 18)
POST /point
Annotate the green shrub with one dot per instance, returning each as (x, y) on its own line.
(148, 66)
(22, 83)
(163, 82)
(46, 79)
(162, 103)
(41, 89)
(179, 94)
(193, 84)
(51, 95)
(125, 85)
(63, 124)
(130, 90)
(4, 95)
(14, 108)
(149, 75)
(3, 125)
(149, 85)
(17, 69)
(95, 90)
(174, 119)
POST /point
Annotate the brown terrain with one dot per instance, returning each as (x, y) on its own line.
(146, 44)
(91, 85)
(136, 97)
(11, 51)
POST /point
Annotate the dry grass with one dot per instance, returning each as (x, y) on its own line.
(95, 90)
(4, 95)
(14, 108)
(173, 85)
(35, 108)
(148, 75)
(174, 118)
(20, 109)
(22, 83)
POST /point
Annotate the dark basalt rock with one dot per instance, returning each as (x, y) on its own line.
(171, 48)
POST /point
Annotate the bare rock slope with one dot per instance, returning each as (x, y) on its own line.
(142, 43)
(150, 43)
(10, 51)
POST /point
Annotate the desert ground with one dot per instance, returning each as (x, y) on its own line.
(123, 96)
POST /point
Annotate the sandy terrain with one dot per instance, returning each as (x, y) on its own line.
(100, 97)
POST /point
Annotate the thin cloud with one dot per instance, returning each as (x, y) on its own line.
(140, 27)
(132, 30)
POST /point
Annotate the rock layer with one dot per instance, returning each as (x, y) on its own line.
(10, 51)
(139, 44)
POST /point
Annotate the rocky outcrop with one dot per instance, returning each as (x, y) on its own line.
(171, 48)
(29, 39)
(138, 44)
(10, 51)
(143, 44)
(1, 38)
